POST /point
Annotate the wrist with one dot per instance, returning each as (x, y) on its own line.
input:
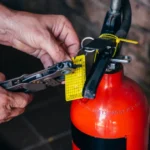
(6, 21)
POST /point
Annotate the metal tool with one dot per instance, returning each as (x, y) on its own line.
(52, 76)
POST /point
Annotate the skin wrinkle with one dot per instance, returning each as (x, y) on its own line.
(6, 109)
(4, 99)
(20, 32)
(3, 115)
(40, 37)
(67, 35)
(2, 31)
(54, 29)
(36, 53)
(41, 53)
(65, 38)
(5, 43)
(5, 14)
(56, 47)
(19, 100)
(20, 45)
(6, 37)
(59, 52)
(60, 31)
(59, 34)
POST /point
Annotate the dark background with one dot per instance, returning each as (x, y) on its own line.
(45, 124)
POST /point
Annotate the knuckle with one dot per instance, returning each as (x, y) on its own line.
(43, 36)
(38, 34)
(24, 101)
(46, 35)
(62, 18)
(65, 22)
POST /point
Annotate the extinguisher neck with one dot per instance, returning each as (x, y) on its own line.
(112, 78)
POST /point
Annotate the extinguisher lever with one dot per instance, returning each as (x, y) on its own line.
(96, 73)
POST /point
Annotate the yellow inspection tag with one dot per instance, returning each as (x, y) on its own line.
(74, 82)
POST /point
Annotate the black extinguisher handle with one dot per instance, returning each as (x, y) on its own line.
(96, 73)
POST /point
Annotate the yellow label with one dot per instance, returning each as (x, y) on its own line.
(74, 82)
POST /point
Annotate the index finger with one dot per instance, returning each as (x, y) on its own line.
(64, 31)
(70, 39)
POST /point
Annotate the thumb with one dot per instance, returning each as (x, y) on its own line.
(2, 77)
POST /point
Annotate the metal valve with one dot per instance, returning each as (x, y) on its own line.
(119, 59)
(105, 61)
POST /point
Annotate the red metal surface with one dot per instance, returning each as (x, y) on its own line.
(120, 109)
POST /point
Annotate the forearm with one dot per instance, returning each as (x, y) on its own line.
(6, 21)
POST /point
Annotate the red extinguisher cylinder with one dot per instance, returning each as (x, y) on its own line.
(116, 119)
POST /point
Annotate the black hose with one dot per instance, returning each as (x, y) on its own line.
(127, 17)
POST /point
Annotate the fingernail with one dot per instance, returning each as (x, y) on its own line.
(63, 82)
(74, 54)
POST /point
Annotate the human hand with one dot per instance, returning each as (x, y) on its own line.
(12, 104)
(51, 38)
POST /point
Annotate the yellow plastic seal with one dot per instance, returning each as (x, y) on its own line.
(117, 39)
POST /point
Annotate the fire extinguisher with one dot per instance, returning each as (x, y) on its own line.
(113, 113)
